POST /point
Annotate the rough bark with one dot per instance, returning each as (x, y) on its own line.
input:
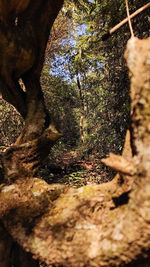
(23, 160)
(11, 254)
(24, 32)
(96, 225)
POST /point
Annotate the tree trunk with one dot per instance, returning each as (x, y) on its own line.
(11, 254)
(24, 31)
(82, 112)
(95, 225)
(22, 51)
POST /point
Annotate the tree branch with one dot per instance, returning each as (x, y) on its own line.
(120, 24)
(119, 164)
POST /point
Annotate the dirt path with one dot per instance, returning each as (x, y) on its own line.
(68, 157)
(74, 172)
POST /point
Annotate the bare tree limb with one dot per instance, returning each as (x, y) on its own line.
(119, 163)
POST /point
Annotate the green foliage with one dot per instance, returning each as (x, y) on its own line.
(62, 103)
(101, 68)
(76, 179)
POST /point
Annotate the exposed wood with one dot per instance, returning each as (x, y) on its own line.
(119, 163)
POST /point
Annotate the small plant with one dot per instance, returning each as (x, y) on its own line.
(76, 179)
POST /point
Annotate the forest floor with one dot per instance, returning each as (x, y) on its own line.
(72, 171)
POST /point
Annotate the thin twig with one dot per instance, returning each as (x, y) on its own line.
(129, 19)
(120, 24)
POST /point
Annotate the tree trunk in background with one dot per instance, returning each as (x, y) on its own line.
(95, 225)
(82, 112)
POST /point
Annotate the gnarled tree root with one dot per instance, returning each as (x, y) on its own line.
(24, 160)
